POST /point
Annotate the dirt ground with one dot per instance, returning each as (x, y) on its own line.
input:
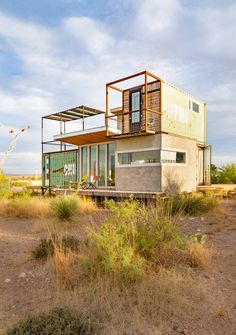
(28, 287)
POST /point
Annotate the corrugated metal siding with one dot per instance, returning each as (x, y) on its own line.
(62, 168)
(178, 118)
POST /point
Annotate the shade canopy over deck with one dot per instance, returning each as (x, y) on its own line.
(73, 114)
(88, 136)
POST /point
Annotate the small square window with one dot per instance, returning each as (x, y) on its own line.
(180, 157)
(195, 107)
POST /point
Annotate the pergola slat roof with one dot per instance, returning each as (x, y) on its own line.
(73, 114)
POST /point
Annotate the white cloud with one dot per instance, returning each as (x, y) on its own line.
(93, 35)
(218, 26)
(156, 16)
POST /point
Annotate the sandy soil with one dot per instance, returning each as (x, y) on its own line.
(27, 287)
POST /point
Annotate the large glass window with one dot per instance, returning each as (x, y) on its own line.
(173, 157)
(84, 164)
(93, 163)
(101, 164)
(139, 157)
(111, 164)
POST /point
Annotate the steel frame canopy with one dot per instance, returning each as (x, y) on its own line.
(73, 114)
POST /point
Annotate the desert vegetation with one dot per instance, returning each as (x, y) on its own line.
(127, 266)
(223, 175)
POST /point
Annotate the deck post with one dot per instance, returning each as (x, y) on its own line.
(107, 109)
(146, 100)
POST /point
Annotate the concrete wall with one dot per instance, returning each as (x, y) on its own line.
(167, 177)
(138, 142)
(182, 176)
(138, 178)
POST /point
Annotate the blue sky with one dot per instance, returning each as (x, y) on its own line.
(50, 51)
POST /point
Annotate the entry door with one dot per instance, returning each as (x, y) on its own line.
(207, 165)
(135, 109)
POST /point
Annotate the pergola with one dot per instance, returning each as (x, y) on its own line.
(113, 85)
(72, 114)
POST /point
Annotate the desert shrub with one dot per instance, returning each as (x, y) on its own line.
(5, 191)
(46, 247)
(131, 240)
(192, 204)
(23, 194)
(57, 321)
(64, 207)
(223, 175)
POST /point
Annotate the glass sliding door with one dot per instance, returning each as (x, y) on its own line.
(111, 164)
(135, 109)
(101, 164)
(93, 163)
(84, 163)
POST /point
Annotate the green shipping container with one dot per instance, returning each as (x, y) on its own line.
(60, 168)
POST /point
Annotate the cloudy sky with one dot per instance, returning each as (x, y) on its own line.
(59, 54)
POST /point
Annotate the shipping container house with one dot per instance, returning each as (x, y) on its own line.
(153, 140)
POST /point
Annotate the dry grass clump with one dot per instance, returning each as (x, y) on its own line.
(25, 207)
(86, 205)
(200, 255)
(140, 308)
(63, 264)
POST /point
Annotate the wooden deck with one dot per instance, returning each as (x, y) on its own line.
(217, 188)
(109, 193)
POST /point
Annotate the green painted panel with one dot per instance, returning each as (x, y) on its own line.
(62, 168)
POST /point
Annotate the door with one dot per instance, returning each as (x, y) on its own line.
(200, 172)
(135, 111)
(207, 165)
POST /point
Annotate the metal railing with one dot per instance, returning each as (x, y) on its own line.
(125, 123)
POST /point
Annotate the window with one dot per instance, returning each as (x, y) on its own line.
(168, 156)
(111, 164)
(93, 163)
(195, 107)
(139, 157)
(135, 106)
(135, 101)
(84, 167)
(101, 164)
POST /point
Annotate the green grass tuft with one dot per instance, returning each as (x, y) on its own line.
(65, 207)
(192, 204)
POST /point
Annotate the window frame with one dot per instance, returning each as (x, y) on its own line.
(175, 150)
(137, 150)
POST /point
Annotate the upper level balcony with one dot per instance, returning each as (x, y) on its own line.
(140, 111)
(74, 127)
